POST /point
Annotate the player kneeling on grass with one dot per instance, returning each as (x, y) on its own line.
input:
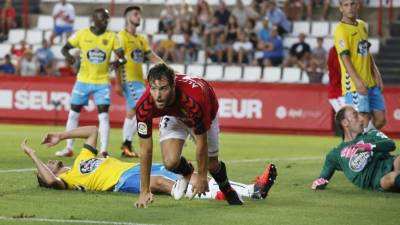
(110, 174)
(364, 158)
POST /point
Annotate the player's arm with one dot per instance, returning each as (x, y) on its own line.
(146, 155)
(65, 52)
(376, 73)
(154, 58)
(43, 171)
(201, 184)
(379, 143)
(89, 133)
(360, 85)
(326, 174)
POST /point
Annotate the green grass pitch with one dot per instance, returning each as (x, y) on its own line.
(291, 201)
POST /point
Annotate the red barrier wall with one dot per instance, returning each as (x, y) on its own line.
(255, 107)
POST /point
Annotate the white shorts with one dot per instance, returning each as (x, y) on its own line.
(337, 103)
(173, 128)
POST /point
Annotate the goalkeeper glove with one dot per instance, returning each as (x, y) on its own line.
(319, 183)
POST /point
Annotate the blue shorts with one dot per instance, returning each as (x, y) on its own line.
(374, 101)
(59, 30)
(130, 179)
(133, 90)
(82, 91)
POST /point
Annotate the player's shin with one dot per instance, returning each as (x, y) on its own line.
(184, 168)
(72, 123)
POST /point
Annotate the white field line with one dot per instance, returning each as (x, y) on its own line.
(70, 221)
(310, 158)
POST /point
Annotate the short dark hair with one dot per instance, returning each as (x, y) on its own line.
(160, 71)
(339, 117)
(100, 10)
(130, 8)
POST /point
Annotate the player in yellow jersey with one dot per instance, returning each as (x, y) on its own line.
(110, 174)
(96, 44)
(129, 80)
(361, 80)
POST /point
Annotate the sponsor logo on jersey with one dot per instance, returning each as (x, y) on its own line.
(90, 165)
(362, 47)
(358, 161)
(142, 128)
(137, 56)
(96, 56)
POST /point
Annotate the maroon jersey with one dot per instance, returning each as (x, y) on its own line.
(335, 85)
(195, 104)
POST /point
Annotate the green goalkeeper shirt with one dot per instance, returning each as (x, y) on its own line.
(364, 169)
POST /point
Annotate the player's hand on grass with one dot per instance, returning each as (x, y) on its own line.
(51, 139)
(200, 186)
(319, 183)
(144, 200)
(26, 148)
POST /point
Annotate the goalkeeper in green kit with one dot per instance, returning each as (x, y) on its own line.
(364, 158)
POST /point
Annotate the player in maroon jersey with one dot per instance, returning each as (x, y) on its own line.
(188, 106)
(335, 87)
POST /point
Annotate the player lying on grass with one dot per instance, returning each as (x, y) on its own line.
(364, 158)
(110, 174)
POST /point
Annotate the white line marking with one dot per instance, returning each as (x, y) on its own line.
(310, 158)
(275, 159)
(18, 170)
(70, 221)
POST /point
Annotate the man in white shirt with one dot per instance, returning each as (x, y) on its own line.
(64, 16)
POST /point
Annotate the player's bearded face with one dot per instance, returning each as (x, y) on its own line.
(162, 93)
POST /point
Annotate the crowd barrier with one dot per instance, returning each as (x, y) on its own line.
(244, 107)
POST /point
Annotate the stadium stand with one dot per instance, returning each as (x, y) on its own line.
(386, 50)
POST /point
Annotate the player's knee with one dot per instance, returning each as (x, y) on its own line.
(379, 122)
(76, 108)
(170, 163)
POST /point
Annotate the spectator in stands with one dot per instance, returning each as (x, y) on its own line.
(316, 68)
(7, 67)
(187, 50)
(186, 13)
(64, 16)
(46, 58)
(28, 65)
(294, 9)
(272, 50)
(241, 49)
(166, 48)
(7, 19)
(277, 17)
(18, 52)
(231, 30)
(299, 54)
(250, 30)
(168, 17)
(243, 13)
(323, 3)
(264, 32)
(222, 13)
(218, 52)
(211, 32)
(203, 13)
(196, 31)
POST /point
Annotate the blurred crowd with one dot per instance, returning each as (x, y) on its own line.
(245, 35)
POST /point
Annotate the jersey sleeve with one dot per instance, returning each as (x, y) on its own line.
(341, 41)
(144, 116)
(380, 142)
(146, 46)
(74, 39)
(116, 43)
(329, 167)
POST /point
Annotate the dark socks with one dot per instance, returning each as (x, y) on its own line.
(221, 177)
(127, 143)
(184, 167)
